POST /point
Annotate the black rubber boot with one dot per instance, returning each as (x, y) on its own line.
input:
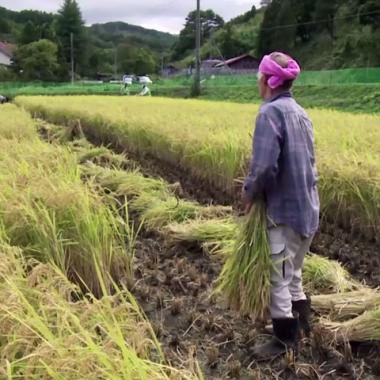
(286, 332)
(303, 308)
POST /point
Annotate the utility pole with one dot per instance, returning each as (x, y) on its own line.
(72, 56)
(115, 62)
(196, 91)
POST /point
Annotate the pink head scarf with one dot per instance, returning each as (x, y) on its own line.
(277, 74)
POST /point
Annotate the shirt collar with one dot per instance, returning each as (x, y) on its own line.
(284, 94)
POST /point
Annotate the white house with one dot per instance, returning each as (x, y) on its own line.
(6, 54)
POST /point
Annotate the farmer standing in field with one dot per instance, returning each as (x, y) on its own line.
(283, 173)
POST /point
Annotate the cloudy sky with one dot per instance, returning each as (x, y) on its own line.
(166, 15)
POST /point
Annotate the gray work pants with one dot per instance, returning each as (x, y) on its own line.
(288, 252)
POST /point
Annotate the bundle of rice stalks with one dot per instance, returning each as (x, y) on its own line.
(101, 156)
(343, 306)
(210, 232)
(324, 276)
(157, 213)
(45, 334)
(123, 183)
(245, 278)
(363, 328)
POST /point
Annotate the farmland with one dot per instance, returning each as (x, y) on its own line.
(214, 146)
(82, 224)
(353, 90)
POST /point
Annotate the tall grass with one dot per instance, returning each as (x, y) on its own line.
(212, 142)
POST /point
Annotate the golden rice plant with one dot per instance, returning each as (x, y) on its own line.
(212, 141)
(47, 210)
(50, 330)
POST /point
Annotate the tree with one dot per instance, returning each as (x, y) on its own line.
(210, 22)
(230, 42)
(136, 60)
(69, 21)
(279, 27)
(37, 60)
(29, 33)
(324, 14)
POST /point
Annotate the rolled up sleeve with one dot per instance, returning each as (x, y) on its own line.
(266, 150)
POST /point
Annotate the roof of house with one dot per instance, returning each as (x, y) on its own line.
(7, 49)
(235, 59)
(211, 62)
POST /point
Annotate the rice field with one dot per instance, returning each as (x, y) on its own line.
(212, 141)
(110, 272)
(65, 256)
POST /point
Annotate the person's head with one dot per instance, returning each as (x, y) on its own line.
(277, 72)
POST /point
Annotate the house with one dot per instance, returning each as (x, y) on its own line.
(6, 53)
(242, 63)
(208, 66)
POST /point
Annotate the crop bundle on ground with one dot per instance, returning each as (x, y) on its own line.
(152, 199)
(346, 305)
(212, 141)
(363, 328)
(48, 211)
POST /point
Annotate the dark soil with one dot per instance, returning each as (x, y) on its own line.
(174, 287)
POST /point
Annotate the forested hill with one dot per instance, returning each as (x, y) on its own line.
(321, 34)
(13, 27)
(324, 33)
(118, 32)
(43, 45)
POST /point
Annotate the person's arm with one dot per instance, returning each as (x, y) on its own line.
(263, 167)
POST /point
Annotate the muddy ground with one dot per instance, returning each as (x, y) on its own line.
(175, 289)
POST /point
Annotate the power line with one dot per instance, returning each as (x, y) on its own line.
(321, 21)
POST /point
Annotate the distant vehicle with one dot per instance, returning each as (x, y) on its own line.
(145, 80)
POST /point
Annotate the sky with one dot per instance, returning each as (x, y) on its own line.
(165, 15)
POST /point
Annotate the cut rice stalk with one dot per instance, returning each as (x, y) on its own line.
(324, 276)
(245, 278)
(363, 328)
(202, 231)
(343, 306)
(157, 213)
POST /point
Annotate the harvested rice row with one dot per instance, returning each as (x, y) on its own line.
(45, 334)
(48, 212)
(152, 199)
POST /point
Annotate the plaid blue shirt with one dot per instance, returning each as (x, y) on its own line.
(283, 168)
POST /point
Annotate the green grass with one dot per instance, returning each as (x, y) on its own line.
(355, 90)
